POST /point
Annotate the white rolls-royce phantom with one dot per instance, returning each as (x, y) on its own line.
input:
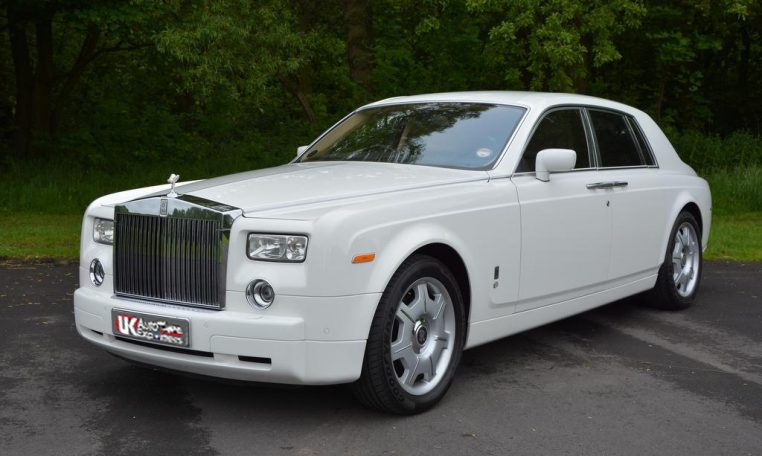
(414, 228)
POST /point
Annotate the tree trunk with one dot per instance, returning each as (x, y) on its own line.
(300, 84)
(38, 103)
(358, 16)
(24, 109)
(87, 53)
(743, 64)
(43, 86)
(297, 91)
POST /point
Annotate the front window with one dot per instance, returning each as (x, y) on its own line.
(561, 129)
(452, 135)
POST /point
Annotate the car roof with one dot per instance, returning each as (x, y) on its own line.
(532, 100)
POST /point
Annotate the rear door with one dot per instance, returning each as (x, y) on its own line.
(640, 202)
(565, 227)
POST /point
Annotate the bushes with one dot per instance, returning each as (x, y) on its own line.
(732, 165)
(707, 153)
(79, 173)
(735, 190)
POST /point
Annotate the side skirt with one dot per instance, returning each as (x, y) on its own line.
(485, 331)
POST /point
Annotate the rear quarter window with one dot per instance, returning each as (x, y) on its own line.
(645, 149)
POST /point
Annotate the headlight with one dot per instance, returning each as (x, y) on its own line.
(290, 248)
(103, 231)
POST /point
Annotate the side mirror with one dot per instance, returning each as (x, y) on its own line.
(300, 150)
(553, 161)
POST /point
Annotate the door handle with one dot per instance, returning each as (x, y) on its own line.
(611, 184)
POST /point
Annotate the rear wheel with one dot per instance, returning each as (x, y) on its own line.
(415, 341)
(680, 274)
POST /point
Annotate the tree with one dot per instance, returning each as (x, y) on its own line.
(358, 18)
(555, 44)
(252, 50)
(689, 64)
(48, 69)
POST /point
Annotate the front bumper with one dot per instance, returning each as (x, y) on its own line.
(299, 340)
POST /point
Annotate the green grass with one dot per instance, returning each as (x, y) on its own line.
(39, 236)
(736, 237)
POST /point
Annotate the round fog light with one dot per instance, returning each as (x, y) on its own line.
(96, 272)
(260, 294)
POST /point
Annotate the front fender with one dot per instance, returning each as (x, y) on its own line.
(408, 241)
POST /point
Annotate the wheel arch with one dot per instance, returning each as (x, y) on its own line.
(433, 241)
(686, 202)
(454, 262)
(695, 211)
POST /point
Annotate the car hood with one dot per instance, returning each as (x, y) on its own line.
(304, 183)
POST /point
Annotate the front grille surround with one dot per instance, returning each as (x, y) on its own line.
(173, 250)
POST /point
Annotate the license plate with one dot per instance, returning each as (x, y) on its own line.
(151, 328)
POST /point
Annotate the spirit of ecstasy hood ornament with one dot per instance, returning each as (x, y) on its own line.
(173, 178)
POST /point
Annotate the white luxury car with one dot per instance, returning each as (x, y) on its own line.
(413, 229)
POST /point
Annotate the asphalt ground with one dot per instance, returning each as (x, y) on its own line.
(619, 380)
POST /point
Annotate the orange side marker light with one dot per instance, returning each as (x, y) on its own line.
(364, 258)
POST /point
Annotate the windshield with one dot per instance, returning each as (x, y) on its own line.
(453, 135)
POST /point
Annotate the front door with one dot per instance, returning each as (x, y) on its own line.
(565, 226)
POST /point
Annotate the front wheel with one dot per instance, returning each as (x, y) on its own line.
(680, 274)
(415, 341)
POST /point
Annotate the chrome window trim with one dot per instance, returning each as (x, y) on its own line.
(627, 167)
(596, 159)
(532, 173)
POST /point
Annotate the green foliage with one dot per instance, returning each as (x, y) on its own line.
(126, 92)
(736, 190)
(693, 65)
(711, 153)
(192, 76)
(140, 88)
(251, 52)
(554, 45)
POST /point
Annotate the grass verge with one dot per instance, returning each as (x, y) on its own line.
(736, 237)
(34, 237)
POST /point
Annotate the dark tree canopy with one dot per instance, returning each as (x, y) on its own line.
(98, 79)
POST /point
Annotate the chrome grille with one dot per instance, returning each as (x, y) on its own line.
(173, 260)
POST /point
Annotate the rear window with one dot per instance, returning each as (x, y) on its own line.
(617, 144)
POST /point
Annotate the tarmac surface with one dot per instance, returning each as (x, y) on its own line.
(619, 380)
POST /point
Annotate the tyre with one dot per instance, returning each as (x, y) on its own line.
(679, 276)
(416, 339)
